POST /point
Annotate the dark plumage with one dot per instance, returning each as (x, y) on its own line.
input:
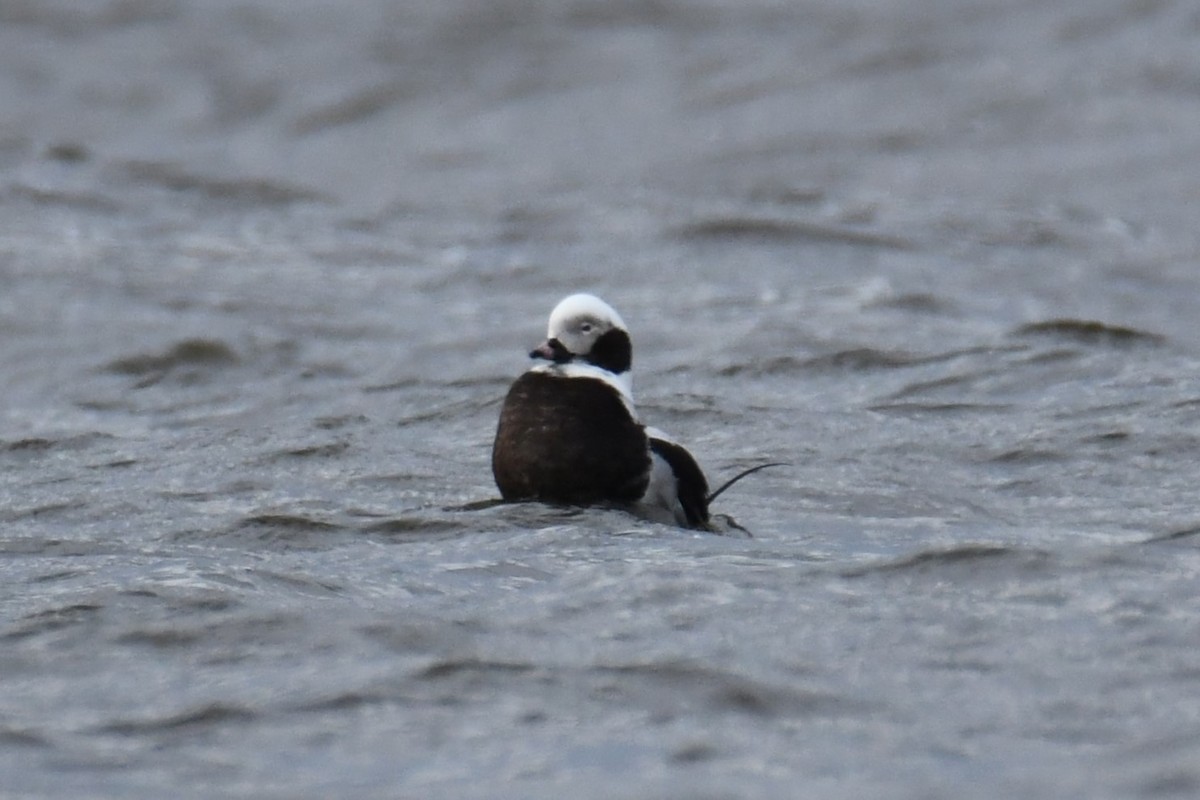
(568, 440)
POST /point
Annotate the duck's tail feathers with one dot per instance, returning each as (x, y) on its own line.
(750, 471)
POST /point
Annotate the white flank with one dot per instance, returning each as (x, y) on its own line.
(661, 503)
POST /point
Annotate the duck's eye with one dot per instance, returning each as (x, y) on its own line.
(585, 327)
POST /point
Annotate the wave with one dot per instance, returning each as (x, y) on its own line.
(969, 555)
(255, 192)
(1089, 332)
(192, 354)
(780, 231)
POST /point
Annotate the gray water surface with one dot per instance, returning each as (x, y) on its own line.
(268, 268)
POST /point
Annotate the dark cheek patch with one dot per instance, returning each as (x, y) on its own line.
(613, 351)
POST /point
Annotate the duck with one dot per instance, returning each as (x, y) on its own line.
(570, 434)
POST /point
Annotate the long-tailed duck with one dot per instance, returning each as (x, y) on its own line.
(569, 432)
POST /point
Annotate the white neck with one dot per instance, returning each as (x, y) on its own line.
(623, 383)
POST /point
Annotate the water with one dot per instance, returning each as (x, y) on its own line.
(268, 268)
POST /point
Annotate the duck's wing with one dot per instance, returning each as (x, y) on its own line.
(691, 486)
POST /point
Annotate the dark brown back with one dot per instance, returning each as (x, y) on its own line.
(568, 440)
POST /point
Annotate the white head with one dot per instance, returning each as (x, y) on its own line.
(587, 335)
(580, 320)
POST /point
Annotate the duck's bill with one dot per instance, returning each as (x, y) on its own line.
(551, 350)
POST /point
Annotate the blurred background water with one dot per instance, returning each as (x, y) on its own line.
(267, 268)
